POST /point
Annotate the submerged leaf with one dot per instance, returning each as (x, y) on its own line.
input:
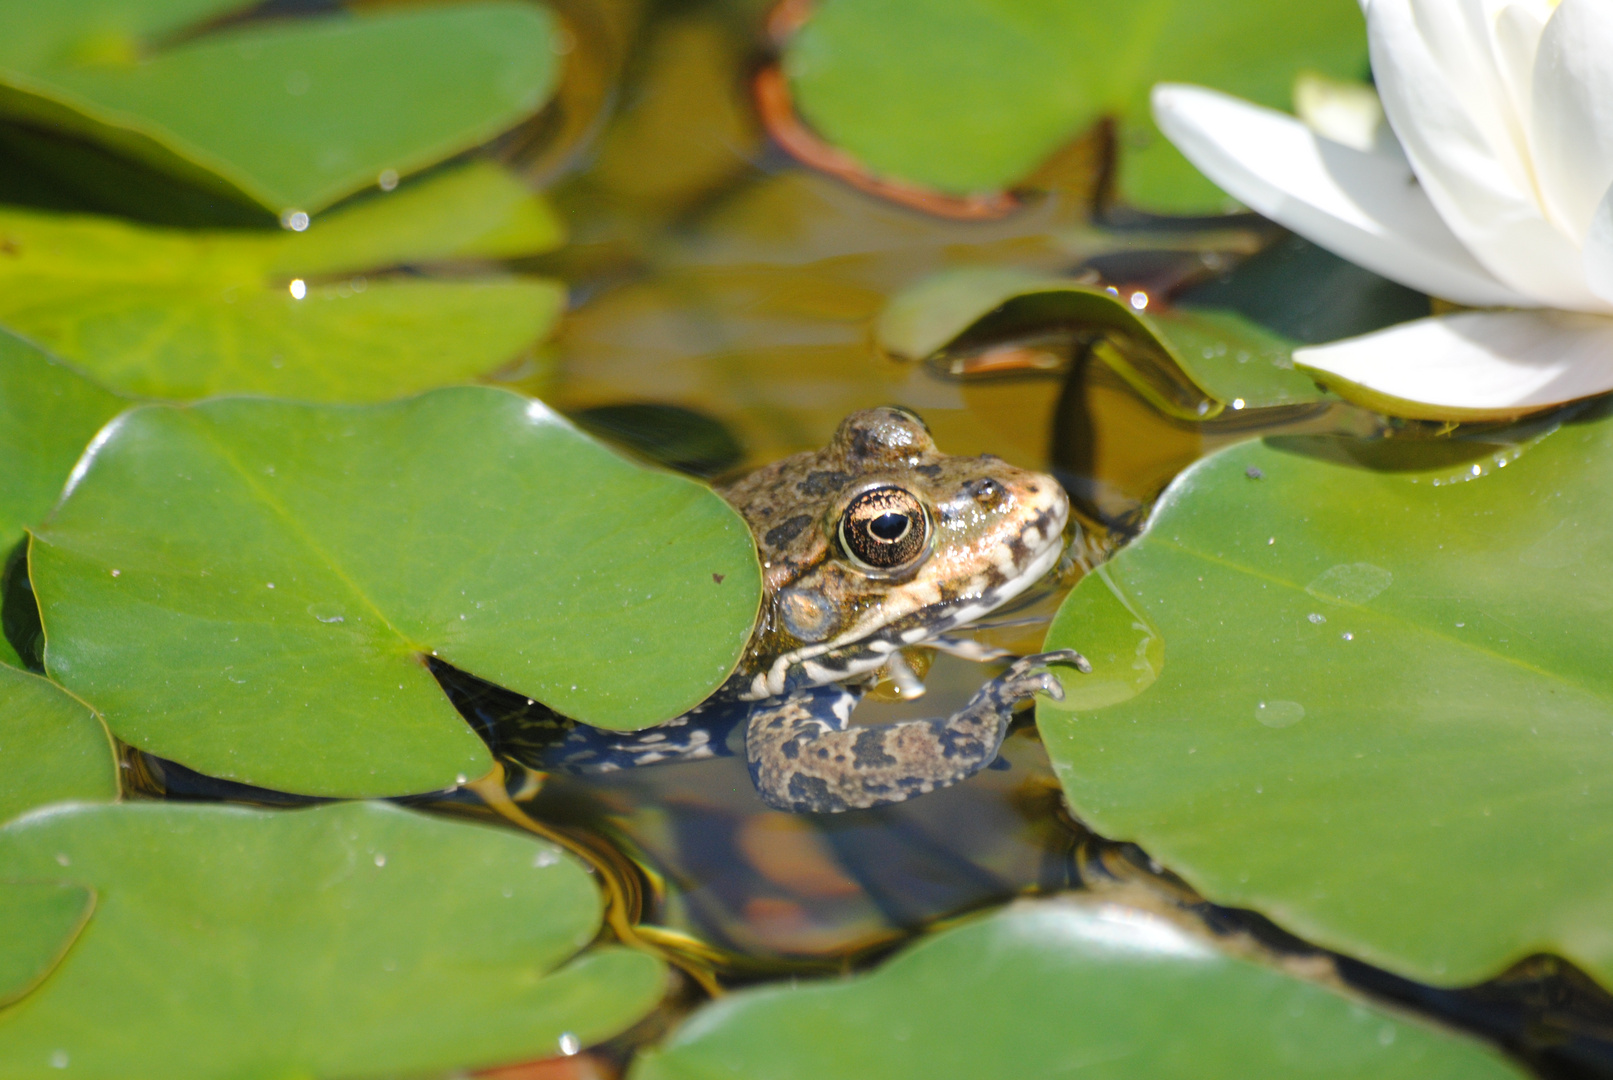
(174, 314)
(1059, 989)
(249, 587)
(972, 95)
(291, 113)
(347, 940)
(1338, 671)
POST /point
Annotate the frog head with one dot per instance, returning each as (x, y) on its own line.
(880, 541)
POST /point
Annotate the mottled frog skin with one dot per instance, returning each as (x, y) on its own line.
(873, 544)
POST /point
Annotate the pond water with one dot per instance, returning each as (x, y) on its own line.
(725, 294)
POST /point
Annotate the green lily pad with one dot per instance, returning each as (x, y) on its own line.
(1189, 363)
(42, 921)
(48, 414)
(291, 113)
(1054, 990)
(172, 314)
(347, 940)
(54, 749)
(248, 586)
(972, 95)
(1335, 671)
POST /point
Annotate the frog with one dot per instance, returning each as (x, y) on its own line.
(877, 543)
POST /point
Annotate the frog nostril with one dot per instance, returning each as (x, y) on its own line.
(985, 491)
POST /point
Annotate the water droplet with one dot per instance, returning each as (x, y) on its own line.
(1317, 617)
(295, 220)
(359, 284)
(58, 1060)
(1477, 471)
(380, 860)
(508, 892)
(270, 584)
(327, 611)
(1386, 1035)
(461, 778)
(569, 1044)
(1279, 714)
(1237, 403)
(388, 180)
(115, 573)
(1270, 540)
(62, 859)
(299, 288)
(545, 857)
(1139, 300)
(1347, 636)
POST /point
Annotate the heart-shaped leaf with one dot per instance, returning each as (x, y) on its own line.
(1362, 688)
(291, 113)
(172, 314)
(248, 586)
(970, 96)
(344, 941)
(1054, 990)
(1190, 363)
(53, 748)
(42, 920)
(48, 414)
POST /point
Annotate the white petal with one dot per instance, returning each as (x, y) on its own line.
(1366, 207)
(1472, 364)
(1572, 115)
(1599, 248)
(1443, 91)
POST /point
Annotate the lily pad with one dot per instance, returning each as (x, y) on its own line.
(348, 940)
(53, 748)
(173, 314)
(1334, 671)
(293, 114)
(1189, 363)
(1058, 989)
(48, 414)
(248, 586)
(970, 96)
(42, 921)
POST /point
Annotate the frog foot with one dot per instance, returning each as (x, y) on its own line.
(804, 757)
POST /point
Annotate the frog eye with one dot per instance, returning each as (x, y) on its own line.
(884, 528)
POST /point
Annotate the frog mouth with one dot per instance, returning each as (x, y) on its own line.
(1032, 552)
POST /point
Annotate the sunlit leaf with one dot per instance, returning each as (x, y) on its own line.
(972, 95)
(248, 586)
(348, 940)
(1361, 687)
(174, 314)
(1057, 990)
(51, 747)
(291, 113)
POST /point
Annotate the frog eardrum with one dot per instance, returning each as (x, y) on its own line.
(884, 528)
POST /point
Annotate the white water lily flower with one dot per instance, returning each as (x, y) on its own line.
(1496, 195)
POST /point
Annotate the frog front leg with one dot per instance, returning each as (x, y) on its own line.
(804, 757)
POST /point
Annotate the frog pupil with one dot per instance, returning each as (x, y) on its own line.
(884, 528)
(889, 527)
